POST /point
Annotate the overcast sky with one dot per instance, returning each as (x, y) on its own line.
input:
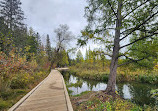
(46, 15)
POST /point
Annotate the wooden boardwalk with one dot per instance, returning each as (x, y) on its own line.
(50, 95)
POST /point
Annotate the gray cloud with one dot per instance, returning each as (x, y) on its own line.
(46, 15)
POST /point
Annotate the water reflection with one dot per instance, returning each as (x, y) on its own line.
(137, 92)
(126, 92)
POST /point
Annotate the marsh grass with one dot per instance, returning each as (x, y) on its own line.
(19, 85)
(124, 74)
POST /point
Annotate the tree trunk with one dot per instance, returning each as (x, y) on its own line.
(114, 62)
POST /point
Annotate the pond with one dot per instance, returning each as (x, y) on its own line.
(138, 93)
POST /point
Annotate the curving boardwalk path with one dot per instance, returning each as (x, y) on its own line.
(50, 95)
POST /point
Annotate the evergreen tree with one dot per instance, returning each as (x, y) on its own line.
(31, 44)
(13, 17)
(87, 55)
(48, 48)
(19, 37)
(90, 56)
(38, 39)
(64, 59)
(79, 57)
(12, 13)
(5, 37)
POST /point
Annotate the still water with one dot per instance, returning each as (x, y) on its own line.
(138, 93)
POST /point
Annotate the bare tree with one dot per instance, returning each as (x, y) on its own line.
(63, 38)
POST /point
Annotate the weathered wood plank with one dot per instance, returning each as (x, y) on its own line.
(50, 95)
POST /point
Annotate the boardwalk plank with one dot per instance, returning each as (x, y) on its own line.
(49, 96)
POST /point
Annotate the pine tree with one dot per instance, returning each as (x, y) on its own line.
(31, 45)
(64, 59)
(5, 37)
(38, 39)
(12, 13)
(79, 58)
(87, 56)
(90, 56)
(48, 48)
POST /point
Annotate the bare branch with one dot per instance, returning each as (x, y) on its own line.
(137, 27)
(112, 9)
(139, 40)
(134, 9)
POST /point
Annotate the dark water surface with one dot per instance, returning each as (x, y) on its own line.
(138, 93)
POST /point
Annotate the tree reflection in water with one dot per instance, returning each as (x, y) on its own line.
(136, 92)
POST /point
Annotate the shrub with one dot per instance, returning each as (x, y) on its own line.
(3, 104)
(21, 81)
(105, 77)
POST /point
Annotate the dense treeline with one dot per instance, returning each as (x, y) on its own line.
(96, 65)
(24, 59)
(93, 58)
